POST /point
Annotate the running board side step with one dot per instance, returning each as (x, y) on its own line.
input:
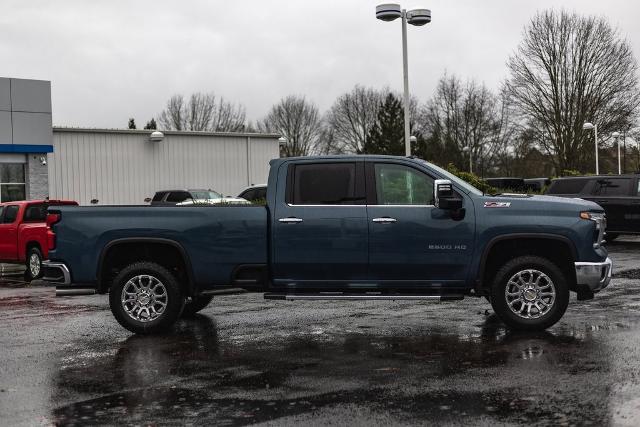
(70, 291)
(361, 297)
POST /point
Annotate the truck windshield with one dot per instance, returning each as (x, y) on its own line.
(205, 195)
(448, 175)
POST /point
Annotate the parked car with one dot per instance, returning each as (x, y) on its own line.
(342, 227)
(511, 184)
(536, 184)
(189, 197)
(619, 195)
(254, 193)
(23, 233)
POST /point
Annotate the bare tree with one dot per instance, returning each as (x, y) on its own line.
(352, 117)
(203, 112)
(463, 121)
(570, 69)
(298, 121)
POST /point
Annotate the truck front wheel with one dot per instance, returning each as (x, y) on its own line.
(530, 293)
(145, 298)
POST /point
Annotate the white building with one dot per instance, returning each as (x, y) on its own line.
(115, 166)
(126, 166)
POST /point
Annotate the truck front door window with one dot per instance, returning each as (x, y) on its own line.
(402, 185)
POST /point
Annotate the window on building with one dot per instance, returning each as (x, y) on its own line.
(12, 182)
(402, 185)
(325, 184)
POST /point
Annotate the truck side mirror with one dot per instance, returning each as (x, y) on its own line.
(445, 197)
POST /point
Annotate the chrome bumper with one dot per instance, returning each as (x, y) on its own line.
(56, 273)
(595, 275)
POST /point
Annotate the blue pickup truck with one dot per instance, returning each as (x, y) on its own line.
(341, 227)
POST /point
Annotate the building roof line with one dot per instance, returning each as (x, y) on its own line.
(166, 132)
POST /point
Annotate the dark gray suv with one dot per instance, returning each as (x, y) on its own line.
(619, 195)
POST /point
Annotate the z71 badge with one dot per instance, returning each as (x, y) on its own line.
(497, 204)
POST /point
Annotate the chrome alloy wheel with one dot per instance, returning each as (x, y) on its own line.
(530, 294)
(34, 265)
(144, 298)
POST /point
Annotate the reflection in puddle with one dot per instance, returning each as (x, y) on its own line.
(191, 375)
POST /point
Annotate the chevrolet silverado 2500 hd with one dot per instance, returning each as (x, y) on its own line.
(344, 227)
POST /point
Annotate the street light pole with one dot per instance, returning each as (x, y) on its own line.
(418, 17)
(616, 138)
(405, 70)
(589, 126)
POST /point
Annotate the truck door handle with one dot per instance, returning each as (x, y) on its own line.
(291, 220)
(384, 220)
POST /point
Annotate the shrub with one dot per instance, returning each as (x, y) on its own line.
(472, 179)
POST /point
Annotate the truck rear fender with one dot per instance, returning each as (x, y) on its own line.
(558, 249)
(119, 253)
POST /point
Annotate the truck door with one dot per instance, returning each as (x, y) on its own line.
(320, 224)
(9, 233)
(411, 243)
(613, 194)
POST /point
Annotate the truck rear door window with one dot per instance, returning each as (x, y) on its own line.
(35, 213)
(612, 187)
(178, 196)
(567, 186)
(325, 184)
(10, 214)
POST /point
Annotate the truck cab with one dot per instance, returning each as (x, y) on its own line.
(23, 233)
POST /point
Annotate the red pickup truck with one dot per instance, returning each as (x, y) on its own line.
(23, 233)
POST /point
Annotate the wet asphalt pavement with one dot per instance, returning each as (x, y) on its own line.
(246, 360)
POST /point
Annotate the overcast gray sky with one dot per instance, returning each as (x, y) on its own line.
(111, 60)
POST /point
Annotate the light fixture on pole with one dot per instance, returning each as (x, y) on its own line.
(467, 149)
(418, 17)
(589, 126)
(616, 138)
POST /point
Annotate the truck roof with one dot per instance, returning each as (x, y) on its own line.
(48, 201)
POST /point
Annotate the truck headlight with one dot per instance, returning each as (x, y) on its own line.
(601, 224)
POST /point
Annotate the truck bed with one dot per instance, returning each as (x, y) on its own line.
(216, 239)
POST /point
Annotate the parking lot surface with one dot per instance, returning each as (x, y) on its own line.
(245, 360)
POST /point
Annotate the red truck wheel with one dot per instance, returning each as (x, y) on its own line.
(146, 298)
(33, 264)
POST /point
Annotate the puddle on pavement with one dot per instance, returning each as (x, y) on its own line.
(192, 375)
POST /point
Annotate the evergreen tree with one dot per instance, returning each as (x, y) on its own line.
(387, 134)
(132, 123)
(151, 124)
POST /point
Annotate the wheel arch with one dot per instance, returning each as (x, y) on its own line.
(502, 248)
(149, 249)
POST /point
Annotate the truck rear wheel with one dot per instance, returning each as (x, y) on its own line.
(33, 264)
(196, 304)
(530, 293)
(146, 298)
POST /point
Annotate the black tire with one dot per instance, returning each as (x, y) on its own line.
(196, 304)
(137, 273)
(610, 237)
(545, 319)
(33, 272)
